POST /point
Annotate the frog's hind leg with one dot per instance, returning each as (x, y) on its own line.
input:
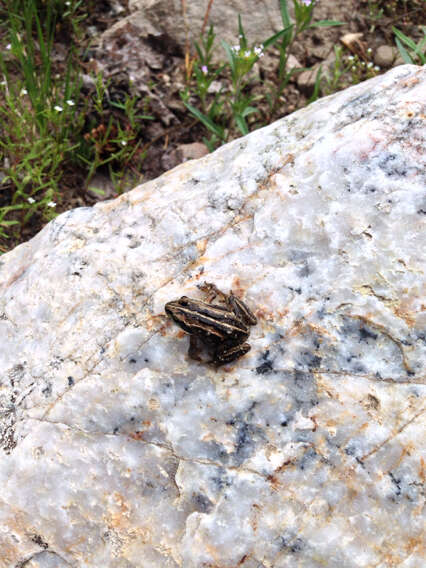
(227, 355)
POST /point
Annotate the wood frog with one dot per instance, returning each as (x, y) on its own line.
(223, 329)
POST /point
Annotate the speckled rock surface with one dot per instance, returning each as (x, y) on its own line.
(117, 450)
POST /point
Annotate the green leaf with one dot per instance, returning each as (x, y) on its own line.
(210, 143)
(199, 52)
(284, 13)
(317, 85)
(326, 23)
(404, 53)
(205, 120)
(242, 36)
(271, 40)
(242, 125)
(408, 41)
(248, 110)
(96, 190)
(230, 55)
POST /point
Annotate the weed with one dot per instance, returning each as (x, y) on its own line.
(39, 118)
(111, 140)
(303, 14)
(46, 128)
(230, 107)
(225, 107)
(375, 13)
(416, 52)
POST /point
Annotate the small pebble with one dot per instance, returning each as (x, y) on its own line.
(384, 56)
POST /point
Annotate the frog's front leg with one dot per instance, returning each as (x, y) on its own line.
(194, 348)
(225, 354)
(212, 292)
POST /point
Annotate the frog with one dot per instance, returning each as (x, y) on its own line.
(222, 328)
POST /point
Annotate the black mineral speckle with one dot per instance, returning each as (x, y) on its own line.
(305, 271)
(310, 359)
(47, 391)
(396, 483)
(266, 366)
(36, 538)
(221, 480)
(202, 503)
(297, 290)
(291, 544)
(244, 440)
(365, 333)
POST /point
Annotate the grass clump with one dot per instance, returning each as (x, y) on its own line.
(40, 122)
(231, 105)
(52, 134)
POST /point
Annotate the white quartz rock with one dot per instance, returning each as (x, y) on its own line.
(118, 450)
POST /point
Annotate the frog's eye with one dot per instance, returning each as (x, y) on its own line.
(183, 301)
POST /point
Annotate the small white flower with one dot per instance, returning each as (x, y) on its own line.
(369, 65)
(3, 83)
(24, 92)
(353, 67)
(123, 143)
(70, 103)
(369, 50)
(9, 46)
(58, 108)
(204, 69)
(31, 200)
(68, 3)
(376, 68)
(235, 48)
(51, 204)
(247, 54)
(350, 57)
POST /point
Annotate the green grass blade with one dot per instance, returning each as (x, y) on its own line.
(326, 23)
(242, 125)
(404, 53)
(242, 35)
(284, 13)
(317, 85)
(229, 55)
(403, 38)
(248, 110)
(271, 40)
(205, 120)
